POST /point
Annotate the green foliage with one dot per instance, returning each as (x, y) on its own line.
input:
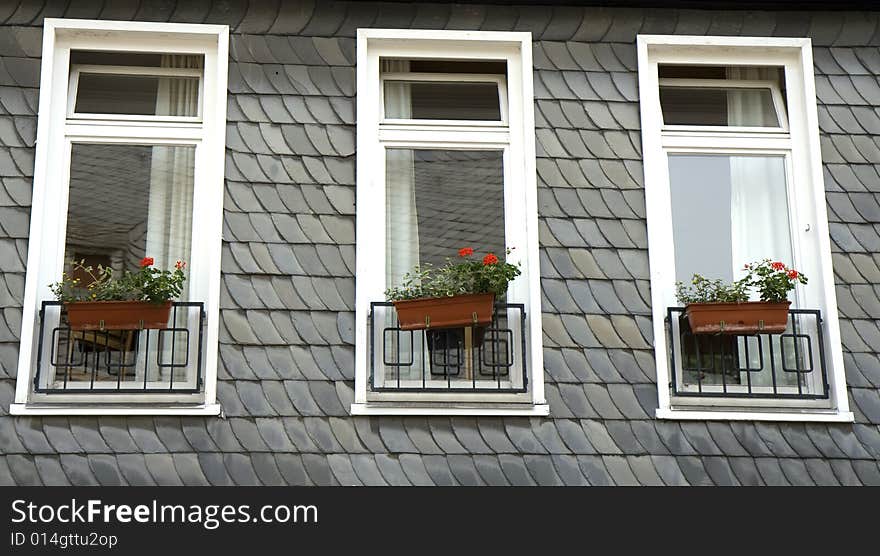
(704, 290)
(147, 284)
(467, 276)
(772, 280)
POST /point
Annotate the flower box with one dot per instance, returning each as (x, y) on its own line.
(749, 317)
(117, 315)
(445, 312)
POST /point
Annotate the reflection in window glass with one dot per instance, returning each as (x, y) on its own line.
(718, 107)
(128, 202)
(428, 100)
(143, 95)
(438, 201)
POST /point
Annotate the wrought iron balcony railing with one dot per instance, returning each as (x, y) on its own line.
(146, 361)
(468, 359)
(790, 365)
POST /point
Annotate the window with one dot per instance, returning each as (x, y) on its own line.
(129, 142)
(733, 175)
(446, 160)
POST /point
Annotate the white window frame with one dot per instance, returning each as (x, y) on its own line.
(807, 207)
(46, 241)
(514, 134)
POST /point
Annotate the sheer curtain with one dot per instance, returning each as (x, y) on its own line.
(169, 219)
(759, 206)
(401, 216)
(759, 203)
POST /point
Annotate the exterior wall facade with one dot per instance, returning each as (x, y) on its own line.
(286, 374)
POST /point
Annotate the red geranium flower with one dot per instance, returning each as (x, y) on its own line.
(490, 259)
(465, 252)
(777, 266)
(147, 261)
(793, 274)
(180, 265)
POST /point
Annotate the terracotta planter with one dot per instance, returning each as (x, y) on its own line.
(445, 312)
(117, 315)
(749, 317)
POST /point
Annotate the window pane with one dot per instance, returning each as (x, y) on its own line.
(718, 107)
(440, 201)
(727, 211)
(430, 100)
(144, 95)
(128, 202)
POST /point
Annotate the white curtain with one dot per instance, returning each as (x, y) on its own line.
(169, 218)
(401, 220)
(759, 202)
(169, 222)
(401, 216)
(759, 211)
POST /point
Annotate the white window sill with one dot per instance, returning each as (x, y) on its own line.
(700, 415)
(31, 409)
(536, 410)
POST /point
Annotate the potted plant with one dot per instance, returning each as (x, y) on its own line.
(129, 301)
(460, 293)
(713, 307)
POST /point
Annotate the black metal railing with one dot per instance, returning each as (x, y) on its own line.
(120, 361)
(468, 359)
(789, 365)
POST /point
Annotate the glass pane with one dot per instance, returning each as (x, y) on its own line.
(438, 201)
(144, 95)
(434, 100)
(128, 202)
(718, 107)
(728, 211)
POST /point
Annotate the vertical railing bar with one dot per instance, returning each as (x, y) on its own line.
(478, 351)
(69, 351)
(699, 368)
(797, 364)
(821, 339)
(95, 364)
(723, 366)
(119, 370)
(42, 315)
(397, 343)
(202, 316)
(372, 332)
(446, 356)
(772, 362)
(522, 339)
(146, 357)
(671, 334)
(748, 360)
(173, 341)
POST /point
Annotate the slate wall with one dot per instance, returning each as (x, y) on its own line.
(286, 378)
